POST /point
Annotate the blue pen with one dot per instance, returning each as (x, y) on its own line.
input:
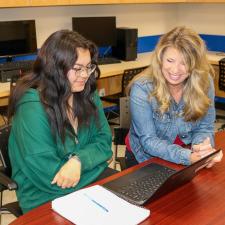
(96, 203)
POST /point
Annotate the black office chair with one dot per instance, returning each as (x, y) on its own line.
(222, 74)
(222, 88)
(6, 183)
(121, 132)
(115, 98)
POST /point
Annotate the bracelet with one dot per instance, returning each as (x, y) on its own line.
(70, 156)
(73, 155)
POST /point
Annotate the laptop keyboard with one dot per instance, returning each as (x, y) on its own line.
(140, 190)
(145, 187)
(25, 65)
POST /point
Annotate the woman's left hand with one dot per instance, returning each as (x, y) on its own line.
(69, 174)
(215, 159)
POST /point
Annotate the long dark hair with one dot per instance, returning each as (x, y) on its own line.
(56, 57)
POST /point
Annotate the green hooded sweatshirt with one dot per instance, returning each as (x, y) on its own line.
(36, 155)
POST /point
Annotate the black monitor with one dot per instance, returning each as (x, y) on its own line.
(17, 38)
(100, 30)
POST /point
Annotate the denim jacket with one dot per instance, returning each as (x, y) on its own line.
(153, 134)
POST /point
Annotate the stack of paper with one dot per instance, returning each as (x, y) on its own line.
(96, 205)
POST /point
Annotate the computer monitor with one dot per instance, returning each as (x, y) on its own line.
(17, 38)
(100, 30)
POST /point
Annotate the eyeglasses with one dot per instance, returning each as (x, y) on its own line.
(79, 70)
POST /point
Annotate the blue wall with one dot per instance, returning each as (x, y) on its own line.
(19, 58)
(147, 44)
(213, 42)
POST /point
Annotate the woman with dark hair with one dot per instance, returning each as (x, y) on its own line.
(60, 140)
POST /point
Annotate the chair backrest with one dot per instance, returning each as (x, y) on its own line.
(4, 157)
(128, 76)
(121, 132)
(124, 112)
(222, 74)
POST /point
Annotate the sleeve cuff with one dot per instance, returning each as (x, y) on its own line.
(185, 157)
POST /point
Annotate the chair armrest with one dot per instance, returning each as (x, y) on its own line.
(12, 207)
(7, 182)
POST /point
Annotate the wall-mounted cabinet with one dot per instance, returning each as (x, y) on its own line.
(14, 3)
(98, 2)
(28, 3)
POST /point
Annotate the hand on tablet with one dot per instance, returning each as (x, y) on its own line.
(203, 149)
(215, 159)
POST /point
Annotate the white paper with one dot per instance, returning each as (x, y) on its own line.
(96, 205)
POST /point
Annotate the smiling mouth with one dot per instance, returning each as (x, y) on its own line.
(174, 77)
(81, 83)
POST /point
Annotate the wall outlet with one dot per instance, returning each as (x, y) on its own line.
(101, 92)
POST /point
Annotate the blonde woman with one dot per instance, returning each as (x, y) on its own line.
(172, 103)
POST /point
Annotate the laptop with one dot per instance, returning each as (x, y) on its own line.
(153, 181)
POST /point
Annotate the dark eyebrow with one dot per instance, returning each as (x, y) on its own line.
(77, 64)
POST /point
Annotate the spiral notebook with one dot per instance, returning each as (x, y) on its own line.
(96, 205)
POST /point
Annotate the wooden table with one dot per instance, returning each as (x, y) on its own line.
(199, 202)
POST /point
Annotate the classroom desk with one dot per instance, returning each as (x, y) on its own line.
(4, 93)
(111, 74)
(109, 70)
(198, 202)
(144, 59)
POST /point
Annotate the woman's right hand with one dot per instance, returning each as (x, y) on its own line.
(203, 148)
(195, 156)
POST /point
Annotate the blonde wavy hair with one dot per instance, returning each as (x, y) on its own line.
(193, 49)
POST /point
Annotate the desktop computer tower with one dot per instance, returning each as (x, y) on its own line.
(126, 44)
